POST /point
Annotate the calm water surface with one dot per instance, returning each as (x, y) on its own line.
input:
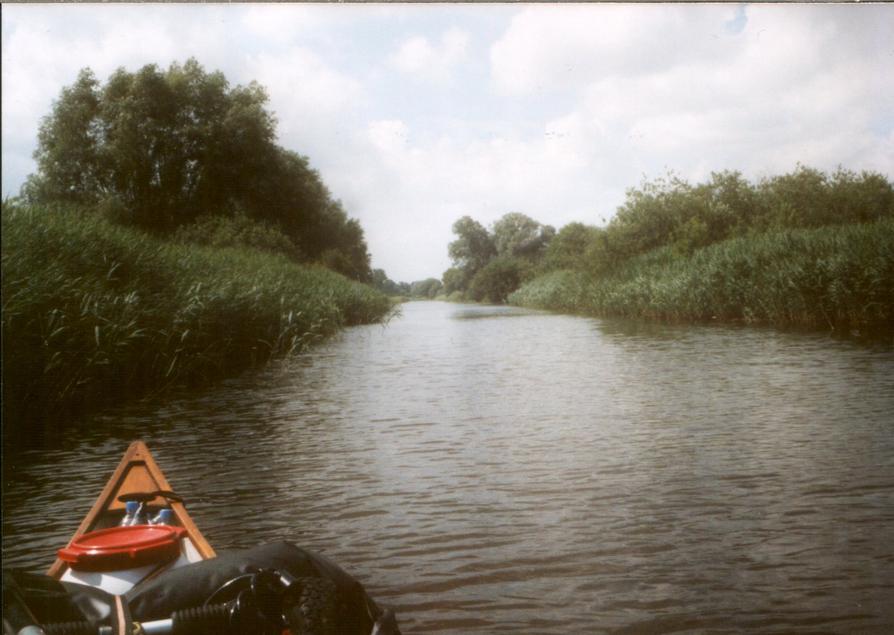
(493, 470)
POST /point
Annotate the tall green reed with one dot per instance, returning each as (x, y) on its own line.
(828, 278)
(94, 313)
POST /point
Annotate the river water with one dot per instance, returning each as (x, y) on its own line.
(490, 469)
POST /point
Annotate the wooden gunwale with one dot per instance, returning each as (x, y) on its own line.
(137, 472)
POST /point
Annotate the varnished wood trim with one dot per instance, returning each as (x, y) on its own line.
(136, 457)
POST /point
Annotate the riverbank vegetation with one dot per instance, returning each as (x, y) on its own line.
(828, 278)
(803, 249)
(180, 152)
(166, 239)
(94, 312)
(427, 289)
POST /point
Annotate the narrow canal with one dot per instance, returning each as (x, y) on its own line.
(487, 469)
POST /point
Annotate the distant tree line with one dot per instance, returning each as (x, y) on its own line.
(180, 152)
(426, 289)
(666, 213)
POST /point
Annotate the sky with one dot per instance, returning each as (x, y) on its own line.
(416, 115)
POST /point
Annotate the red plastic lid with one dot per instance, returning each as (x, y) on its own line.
(123, 547)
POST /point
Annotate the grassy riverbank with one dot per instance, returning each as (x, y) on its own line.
(96, 313)
(839, 277)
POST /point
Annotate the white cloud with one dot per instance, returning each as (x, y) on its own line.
(305, 92)
(388, 136)
(419, 57)
(558, 46)
(415, 54)
(281, 23)
(793, 85)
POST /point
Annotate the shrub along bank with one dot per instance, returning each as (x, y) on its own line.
(94, 312)
(839, 277)
(669, 222)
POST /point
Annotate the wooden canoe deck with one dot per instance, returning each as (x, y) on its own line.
(137, 472)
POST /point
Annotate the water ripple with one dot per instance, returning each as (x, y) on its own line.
(539, 474)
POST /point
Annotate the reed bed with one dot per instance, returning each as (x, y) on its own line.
(95, 313)
(836, 278)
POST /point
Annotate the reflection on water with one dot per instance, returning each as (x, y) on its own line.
(486, 312)
(544, 474)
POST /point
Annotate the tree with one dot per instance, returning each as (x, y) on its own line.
(490, 265)
(569, 247)
(68, 141)
(516, 234)
(810, 198)
(454, 280)
(383, 283)
(427, 288)
(496, 280)
(473, 247)
(236, 231)
(173, 146)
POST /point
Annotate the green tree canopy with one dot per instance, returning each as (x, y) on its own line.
(173, 146)
(567, 249)
(516, 234)
(496, 280)
(454, 280)
(427, 288)
(473, 247)
(671, 211)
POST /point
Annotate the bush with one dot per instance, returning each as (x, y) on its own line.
(832, 277)
(237, 231)
(669, 212)
(497, 279)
